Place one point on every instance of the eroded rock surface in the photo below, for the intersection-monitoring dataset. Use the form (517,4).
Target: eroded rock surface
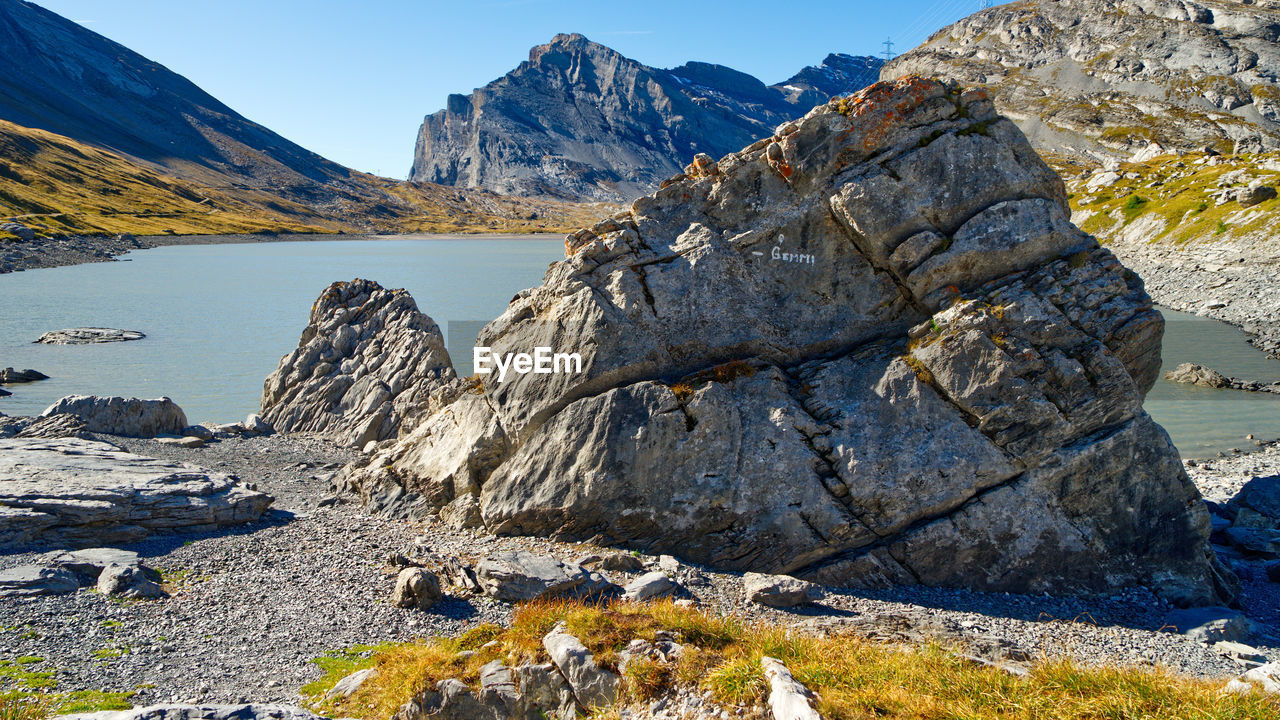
(367,359)
(871,349)
(88,336)
(76,492)
(131,417)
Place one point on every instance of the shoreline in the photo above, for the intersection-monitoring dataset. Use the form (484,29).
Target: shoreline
(45,253)
(237,628)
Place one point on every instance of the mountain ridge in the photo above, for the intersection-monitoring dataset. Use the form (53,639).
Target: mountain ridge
(580,120)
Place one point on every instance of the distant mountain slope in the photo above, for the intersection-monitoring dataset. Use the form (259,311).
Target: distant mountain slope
(1109,77)
(580,120)
(58,76)
(95,138)
(56,185)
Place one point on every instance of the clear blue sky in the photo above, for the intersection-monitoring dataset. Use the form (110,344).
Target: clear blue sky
(352,80)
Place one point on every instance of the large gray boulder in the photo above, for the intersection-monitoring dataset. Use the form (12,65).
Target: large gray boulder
(132,417)
(81,493)
(871,349)
(367,360)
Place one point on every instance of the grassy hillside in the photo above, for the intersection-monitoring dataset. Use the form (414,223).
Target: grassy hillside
(1180,200)
(56,185)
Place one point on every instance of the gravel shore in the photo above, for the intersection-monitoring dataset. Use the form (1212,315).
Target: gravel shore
(1239,285)
(250,608)
(77,250)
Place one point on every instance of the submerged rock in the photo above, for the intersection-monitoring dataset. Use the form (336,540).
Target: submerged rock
(871,349)
(131,417)
(81,493)
(9,376)
(88,336)
(367,360)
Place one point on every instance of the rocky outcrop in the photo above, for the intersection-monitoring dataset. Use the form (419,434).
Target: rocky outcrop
(81,493)
(580,120)
(9,376)
(131,417)
(1113,77)
(367,361)
(88,336)
(1193,374)
(869,349)
(54,426)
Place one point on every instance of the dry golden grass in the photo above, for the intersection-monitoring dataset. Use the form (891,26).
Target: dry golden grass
(57,185)
(853,677)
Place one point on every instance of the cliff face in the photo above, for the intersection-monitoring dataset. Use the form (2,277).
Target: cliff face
(580,120)
(1110,77)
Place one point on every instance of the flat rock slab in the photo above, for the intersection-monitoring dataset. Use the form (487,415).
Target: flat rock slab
(29,580)
(521,576)
(82,492)
(88,336)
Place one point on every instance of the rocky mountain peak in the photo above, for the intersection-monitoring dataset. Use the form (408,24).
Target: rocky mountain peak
(581,120)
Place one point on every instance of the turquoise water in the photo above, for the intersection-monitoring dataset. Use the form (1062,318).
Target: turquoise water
(218,319)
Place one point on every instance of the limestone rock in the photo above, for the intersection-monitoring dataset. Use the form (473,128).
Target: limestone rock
(367,360)
(255,425)
(54,426)
(1255,194)
(780,590)
(85,493)
(519,576)
(621,562)
(1266,677)
(18,230)
(9,376)
(128,581)
(416,588)
(788,698)
(187,441)
(873,350)
(131,417)
(649,586)
(89,563)
(88,336)
(347,686)
(1211,625)
(1193,374)
(257,711)
(593,686)
(29,580)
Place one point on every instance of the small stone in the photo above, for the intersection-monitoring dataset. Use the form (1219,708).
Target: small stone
(416,588)
(780,590)
(128,581)
(622,562)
